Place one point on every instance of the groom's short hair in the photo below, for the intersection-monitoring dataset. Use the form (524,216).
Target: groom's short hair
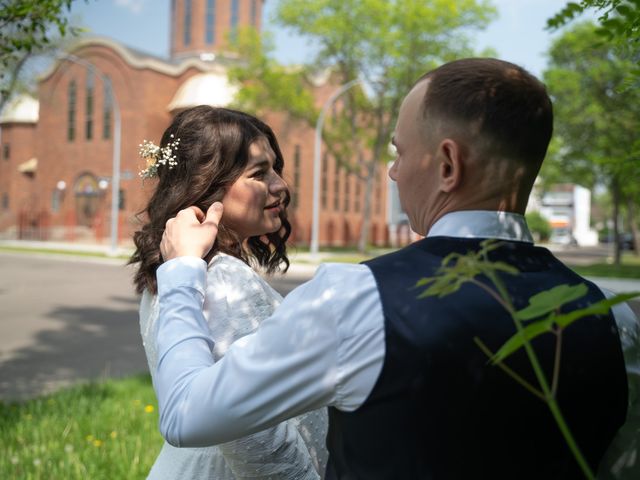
(500,108)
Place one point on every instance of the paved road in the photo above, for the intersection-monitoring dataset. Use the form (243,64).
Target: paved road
(63,320)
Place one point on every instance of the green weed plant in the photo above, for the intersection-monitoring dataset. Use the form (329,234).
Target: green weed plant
(541,316)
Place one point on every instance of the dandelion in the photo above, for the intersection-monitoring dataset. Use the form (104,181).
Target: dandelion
(148,408)
(113,434)
(97,443)
(89,438)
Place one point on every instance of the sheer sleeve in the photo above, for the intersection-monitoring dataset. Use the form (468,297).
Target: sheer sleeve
(236,300)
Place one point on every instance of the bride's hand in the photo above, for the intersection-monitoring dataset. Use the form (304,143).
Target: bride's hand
(191,232)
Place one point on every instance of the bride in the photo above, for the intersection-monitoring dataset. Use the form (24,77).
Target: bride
(214,154)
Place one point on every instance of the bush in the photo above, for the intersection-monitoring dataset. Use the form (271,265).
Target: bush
(539,226)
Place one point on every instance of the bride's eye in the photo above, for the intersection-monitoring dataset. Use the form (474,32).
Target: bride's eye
(259,175)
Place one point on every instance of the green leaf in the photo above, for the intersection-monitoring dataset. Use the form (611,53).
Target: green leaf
(598,308)
(564,320)
(625,11)
(517,341)
(504,267)
(425,281)
(550,300)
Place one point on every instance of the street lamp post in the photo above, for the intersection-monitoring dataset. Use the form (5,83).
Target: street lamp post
(315,222)
(117,130)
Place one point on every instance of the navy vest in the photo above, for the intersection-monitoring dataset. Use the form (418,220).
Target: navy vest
(439,411)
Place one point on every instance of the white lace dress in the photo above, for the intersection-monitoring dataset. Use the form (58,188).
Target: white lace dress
(237,300)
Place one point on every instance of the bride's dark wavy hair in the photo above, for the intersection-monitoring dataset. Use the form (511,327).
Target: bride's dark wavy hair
(213,152)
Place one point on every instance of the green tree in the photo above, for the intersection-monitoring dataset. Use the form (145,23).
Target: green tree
(619,19)
(596,119)
(28,27)
(387,45)
(265,84)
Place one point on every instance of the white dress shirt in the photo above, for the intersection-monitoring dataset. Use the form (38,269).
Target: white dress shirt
(323,346)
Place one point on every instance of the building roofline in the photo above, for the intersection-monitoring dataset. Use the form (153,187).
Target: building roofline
(137,59)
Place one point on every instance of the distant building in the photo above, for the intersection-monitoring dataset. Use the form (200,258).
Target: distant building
(568,209)
(56,151)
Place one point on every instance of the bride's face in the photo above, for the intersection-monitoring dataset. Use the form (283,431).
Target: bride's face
(252,205)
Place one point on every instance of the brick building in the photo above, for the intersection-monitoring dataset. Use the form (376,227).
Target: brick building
(57,152)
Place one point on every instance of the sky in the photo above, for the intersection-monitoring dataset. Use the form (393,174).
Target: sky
(518,35)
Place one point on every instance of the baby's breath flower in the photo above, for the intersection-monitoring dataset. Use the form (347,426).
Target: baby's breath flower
(156,156)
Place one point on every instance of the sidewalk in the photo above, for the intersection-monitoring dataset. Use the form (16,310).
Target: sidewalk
(303,264)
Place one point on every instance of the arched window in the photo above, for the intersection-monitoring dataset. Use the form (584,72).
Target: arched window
(71,111)
(107,108)
(89,105)
(87,195)
(235,13)
(347,192)
(254,12)
(325,180)
(296,176)
(210,22)
(336,185)
(187,22)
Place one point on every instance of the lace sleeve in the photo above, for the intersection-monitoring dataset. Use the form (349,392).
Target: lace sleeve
(236,301)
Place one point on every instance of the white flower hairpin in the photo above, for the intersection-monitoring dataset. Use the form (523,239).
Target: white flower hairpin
(156,156)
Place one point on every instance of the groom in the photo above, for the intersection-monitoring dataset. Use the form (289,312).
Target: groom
(411,396)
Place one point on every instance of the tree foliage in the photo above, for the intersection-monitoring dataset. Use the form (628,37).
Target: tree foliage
(267,85)
(28,27)
(597,120)
(388,45)
(618,19)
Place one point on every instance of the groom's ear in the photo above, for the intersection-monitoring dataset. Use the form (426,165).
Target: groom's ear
(450,157)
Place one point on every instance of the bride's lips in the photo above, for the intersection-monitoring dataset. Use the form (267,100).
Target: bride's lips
(274,205)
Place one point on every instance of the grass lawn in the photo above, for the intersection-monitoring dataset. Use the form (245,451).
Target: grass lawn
(105,430)
(630,268)
(53,251)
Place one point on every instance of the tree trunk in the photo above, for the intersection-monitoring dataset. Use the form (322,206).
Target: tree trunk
(633,225)
(615,191)
(366,207)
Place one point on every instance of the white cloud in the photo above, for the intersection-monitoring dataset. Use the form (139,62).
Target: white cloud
(134,6)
